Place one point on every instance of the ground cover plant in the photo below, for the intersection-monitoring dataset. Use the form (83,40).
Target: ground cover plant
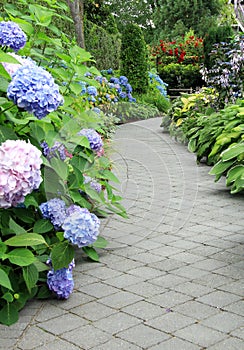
(55,176)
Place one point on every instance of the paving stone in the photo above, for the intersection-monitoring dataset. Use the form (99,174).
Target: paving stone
(146,272)
(229,344)
(117,344)
(116,322)
(143,336)
(200,335)
(189,272)
(175,344)
(58,344)
(48,312)
(218,299)
(145,289)
(99,289)
(168,281)
(237,307)
(187,257)
(224,321)
(169,299)
(193,289)
(120,299)
(236,287)
(195,309)
(104,272)
(35,337)
(167,265)
(62,324)
(144,310)
(86,337)
(93,311)
(239,333)
(170,322)
(209,264)
(213,280)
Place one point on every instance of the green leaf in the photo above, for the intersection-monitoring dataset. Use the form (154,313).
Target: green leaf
(26,239)
(100,242)
(42,226)
(8,297)
(235,173)
(9,314)
(40,266)
(233,152)
(108,175)
(6,134)
(44,292)
(4,280)
(220,167)
(42,15)
(5,57)
(21,257)
(60,167)
(30,274)
(61,255)
(15,228)
(91,253)
(30,200)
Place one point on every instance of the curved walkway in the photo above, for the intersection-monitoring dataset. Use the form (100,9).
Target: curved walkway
(171,278)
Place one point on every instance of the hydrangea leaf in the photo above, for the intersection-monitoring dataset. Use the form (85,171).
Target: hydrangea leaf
(26,239)
(4,280)
(9,314)
(30,274)
(61,255)
(21,257)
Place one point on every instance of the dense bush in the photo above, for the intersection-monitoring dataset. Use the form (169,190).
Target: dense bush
(177,75)
(54,170)
(104,47)
(134,58)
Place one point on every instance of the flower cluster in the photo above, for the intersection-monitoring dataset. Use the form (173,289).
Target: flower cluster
(190,49)
(57,149)
(61,281)
(94,139)
(81,227)
(20,173)
(33,89)
(11,35)
(55,211)
(155,80)
(11,68)
(96,186)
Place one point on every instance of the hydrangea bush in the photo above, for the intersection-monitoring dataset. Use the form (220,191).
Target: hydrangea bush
(48,204)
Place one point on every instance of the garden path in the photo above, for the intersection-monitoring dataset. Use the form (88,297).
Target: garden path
(172,275)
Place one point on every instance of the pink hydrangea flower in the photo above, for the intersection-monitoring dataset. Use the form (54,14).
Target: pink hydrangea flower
(11,68)
(20,174)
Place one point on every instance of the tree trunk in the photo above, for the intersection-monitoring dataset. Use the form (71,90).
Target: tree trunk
(77,13)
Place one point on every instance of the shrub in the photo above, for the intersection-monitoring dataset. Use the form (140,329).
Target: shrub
(134,58)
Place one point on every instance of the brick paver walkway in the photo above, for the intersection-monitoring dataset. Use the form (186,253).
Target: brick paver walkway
(171,278)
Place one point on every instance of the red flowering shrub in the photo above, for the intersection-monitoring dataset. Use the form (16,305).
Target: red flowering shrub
(188,50)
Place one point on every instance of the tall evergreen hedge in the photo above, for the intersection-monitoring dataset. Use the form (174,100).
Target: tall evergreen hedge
(134,58)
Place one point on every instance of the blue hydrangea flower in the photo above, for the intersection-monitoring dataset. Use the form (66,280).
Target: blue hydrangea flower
(58,148)
(83,85)
(128,88)
(61,282)
(97,110)
(123,80)
(12,35)
(91,90)
(33,89)
(81,227)
(122,94)
(96,186)
(110,71)
(131,98)
(55,211)
(114,80)
(93,137)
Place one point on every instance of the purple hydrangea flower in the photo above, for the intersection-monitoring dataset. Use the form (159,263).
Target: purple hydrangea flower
(123,80)
(96,186)
(97,110)
(61,282)
(114,80)
(91,90)
(93,137)
(55,211)
(128,88)
(12,35)
(122,94)
(52,152)
(33,89)
(81,227)
(20,173)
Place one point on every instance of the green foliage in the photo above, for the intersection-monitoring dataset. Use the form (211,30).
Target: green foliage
(154,98)
(175,18)
(231,165)
(127,112)
(177,75)
(216,34)
(134,58)
(26,239)
(104,47)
